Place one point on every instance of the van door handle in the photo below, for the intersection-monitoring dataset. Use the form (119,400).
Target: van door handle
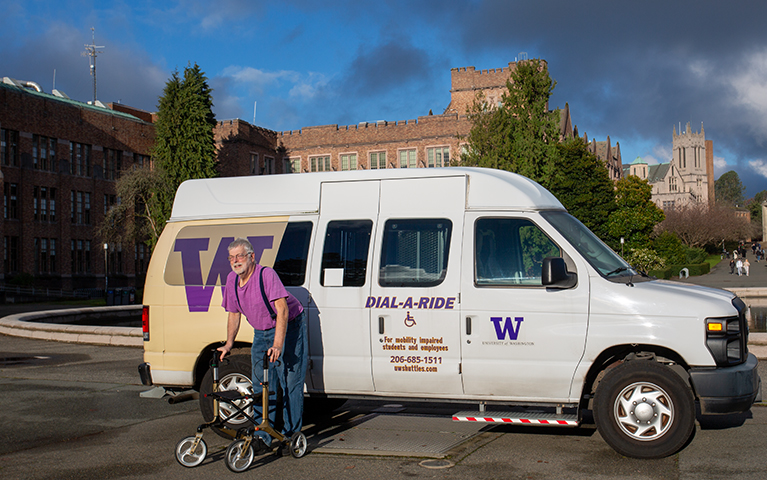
(468,325)
(381,325)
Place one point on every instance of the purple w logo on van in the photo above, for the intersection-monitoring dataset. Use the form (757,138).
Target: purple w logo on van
(507,328)
(198,294)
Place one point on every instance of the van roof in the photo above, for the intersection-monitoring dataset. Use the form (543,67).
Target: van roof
(292,194)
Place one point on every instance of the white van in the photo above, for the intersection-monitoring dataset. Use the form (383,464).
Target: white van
(459,284)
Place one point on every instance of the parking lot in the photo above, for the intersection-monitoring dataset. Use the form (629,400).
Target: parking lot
(74,411)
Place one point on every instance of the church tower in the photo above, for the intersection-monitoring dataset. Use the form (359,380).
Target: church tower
(690,157)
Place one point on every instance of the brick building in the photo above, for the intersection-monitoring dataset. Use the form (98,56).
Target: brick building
(59,160)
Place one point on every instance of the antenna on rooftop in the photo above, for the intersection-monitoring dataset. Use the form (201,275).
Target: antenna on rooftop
(91,52)
(522,56)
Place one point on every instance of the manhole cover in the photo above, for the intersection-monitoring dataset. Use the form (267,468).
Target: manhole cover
(436,464)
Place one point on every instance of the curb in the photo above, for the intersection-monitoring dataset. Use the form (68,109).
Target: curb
(24,325)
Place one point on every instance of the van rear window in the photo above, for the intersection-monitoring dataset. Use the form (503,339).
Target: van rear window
(415,252)
(290,263)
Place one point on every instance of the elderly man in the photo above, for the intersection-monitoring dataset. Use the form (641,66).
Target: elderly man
(279,330)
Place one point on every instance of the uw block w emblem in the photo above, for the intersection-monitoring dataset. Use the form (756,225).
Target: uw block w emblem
(507,327)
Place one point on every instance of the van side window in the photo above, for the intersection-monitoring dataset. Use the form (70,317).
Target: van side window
(345,254)
(290,263)
(510,251)
(415,252)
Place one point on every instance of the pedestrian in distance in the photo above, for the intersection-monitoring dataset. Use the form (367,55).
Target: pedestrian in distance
(732,266)
(739,266)
(746,266)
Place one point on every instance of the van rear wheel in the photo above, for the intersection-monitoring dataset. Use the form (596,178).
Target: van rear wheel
(644,410)
(234,375)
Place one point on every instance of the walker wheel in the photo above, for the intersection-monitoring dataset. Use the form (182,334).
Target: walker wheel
(298,445)
(189,456)
(238,458)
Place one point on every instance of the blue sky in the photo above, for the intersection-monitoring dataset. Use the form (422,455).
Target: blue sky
(630,70)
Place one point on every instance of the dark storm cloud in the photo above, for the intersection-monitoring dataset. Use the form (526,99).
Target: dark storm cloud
(383,68)
(122,75)
(637,69)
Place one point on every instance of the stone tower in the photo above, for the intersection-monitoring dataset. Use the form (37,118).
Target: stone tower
(691,158)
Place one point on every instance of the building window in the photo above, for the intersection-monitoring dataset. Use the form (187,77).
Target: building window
(672,184)
(320,164)
(254,165)
(113,160)
(407,159)
(11,201)
(140,258)
(11,254)
(268,165)
(9,147)
(44,204)
(81,207)
(109,202)
(293,165)
(115,259)
(45,255)
(377,160)
(44,153)
(349,161)
(141,160)
(81,256)
(438,157)
(80,159)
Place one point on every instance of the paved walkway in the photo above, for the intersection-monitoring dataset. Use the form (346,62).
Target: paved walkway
(720,276)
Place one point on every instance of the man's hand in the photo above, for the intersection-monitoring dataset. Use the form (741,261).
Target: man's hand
(274,354)
(224,351)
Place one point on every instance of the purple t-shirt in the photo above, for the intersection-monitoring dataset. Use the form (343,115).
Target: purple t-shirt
(252,302)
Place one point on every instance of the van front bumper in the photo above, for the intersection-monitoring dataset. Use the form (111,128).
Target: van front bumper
(724,390)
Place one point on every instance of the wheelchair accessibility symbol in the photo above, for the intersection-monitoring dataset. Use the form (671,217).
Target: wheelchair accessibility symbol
(409,320)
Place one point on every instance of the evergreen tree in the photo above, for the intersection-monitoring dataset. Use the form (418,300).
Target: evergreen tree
(635,216)
(728,189)
(184,142)
(583,185)
(520,135)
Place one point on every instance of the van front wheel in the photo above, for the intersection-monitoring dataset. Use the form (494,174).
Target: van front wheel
(644,410)
(234,375)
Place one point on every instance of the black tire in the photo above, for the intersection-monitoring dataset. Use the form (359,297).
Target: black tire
(643,409)
(237,457)
(234,375)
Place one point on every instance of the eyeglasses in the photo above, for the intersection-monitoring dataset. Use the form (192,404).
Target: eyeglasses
(238,256)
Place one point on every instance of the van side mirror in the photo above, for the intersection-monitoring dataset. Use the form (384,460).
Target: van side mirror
(554,273)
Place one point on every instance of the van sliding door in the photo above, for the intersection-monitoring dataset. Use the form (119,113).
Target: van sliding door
(339,328)
(413,304)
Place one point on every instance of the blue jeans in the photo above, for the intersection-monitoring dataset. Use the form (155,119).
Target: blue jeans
(288,373)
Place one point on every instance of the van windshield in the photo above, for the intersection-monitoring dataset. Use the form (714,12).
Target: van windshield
(599,255)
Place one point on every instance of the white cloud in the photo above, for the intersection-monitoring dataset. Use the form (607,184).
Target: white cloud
(759,166)
(750,85)
(258,81)
(719,162)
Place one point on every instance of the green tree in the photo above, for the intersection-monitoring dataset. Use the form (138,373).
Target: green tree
(636,214)
(184,144)
(728,189)
(520,135)
(583,185)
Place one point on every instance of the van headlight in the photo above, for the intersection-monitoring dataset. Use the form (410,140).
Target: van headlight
(727,337)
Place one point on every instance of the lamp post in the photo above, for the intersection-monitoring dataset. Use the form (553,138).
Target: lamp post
(106,269)
(621,246)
